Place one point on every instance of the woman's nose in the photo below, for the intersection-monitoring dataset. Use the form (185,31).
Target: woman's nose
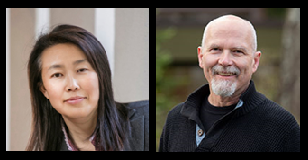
(72,84)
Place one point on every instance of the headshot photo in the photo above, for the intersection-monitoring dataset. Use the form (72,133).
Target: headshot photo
(226,93)
(77,82)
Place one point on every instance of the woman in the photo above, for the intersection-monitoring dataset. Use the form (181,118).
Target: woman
(72,98)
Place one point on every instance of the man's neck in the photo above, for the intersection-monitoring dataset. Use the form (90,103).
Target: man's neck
(220,101)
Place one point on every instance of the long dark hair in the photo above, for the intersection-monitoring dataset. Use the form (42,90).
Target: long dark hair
(46,133)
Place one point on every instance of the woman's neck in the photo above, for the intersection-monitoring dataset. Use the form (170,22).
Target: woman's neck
(80,129)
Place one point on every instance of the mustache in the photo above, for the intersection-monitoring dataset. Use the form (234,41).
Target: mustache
(225,70)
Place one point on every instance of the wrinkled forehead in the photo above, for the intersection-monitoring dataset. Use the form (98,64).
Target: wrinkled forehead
(237,31)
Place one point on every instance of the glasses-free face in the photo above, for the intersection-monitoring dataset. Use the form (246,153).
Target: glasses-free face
(228,58)
(69,81)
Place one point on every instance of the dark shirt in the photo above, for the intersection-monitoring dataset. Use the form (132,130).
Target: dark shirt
(209,114)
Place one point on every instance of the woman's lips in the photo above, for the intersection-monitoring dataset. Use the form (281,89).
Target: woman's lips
(75,100)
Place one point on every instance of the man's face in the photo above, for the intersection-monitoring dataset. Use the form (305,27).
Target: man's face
(228,58)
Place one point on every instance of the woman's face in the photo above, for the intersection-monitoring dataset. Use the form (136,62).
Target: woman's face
(69,81)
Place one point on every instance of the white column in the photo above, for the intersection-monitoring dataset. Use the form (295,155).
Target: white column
(105,31)
(41,21)
(8,78)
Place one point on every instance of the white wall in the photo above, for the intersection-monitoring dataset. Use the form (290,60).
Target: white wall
(132,54)
(123,32)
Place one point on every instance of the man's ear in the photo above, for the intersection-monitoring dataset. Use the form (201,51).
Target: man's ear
(43,90)
(256,60)
(200,56)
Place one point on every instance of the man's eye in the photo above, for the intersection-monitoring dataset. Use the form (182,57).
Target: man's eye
(216,49)
(240,52)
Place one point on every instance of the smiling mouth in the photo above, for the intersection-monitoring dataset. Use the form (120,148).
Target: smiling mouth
(226,71)
(225,74)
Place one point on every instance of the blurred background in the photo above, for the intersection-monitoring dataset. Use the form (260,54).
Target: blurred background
(124,33)
(179,32)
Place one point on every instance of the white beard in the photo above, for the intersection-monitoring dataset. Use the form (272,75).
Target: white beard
(223,88)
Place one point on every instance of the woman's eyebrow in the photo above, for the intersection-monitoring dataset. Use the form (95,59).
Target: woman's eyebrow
(79,61)
(55,66)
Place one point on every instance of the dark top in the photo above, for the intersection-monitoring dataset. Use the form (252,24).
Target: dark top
(209,114)
(259,125)
(138,138)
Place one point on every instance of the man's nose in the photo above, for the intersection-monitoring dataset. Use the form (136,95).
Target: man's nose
(225,58)
(72,84)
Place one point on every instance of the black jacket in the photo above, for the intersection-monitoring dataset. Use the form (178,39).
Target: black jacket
(258,125)
(138,138)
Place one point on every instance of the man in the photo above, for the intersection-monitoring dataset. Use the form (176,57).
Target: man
(228,114)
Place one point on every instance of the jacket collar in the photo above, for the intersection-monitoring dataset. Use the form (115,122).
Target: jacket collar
(137,113)
(250,98)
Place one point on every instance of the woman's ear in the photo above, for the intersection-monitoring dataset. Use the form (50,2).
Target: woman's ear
(43,90)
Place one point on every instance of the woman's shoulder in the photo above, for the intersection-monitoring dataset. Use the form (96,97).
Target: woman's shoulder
(138,104)
(138,108)
(138,114)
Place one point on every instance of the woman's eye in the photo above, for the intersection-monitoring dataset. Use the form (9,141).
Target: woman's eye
(81,70)
(56,75)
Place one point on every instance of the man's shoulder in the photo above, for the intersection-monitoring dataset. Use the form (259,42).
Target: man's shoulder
(278,124)
(177,115)
(273,108)
(273,112)
(175,111)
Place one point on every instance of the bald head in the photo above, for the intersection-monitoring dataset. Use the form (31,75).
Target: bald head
(230,24)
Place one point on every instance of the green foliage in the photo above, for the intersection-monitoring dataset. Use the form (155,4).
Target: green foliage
(163,83)
(163,59)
